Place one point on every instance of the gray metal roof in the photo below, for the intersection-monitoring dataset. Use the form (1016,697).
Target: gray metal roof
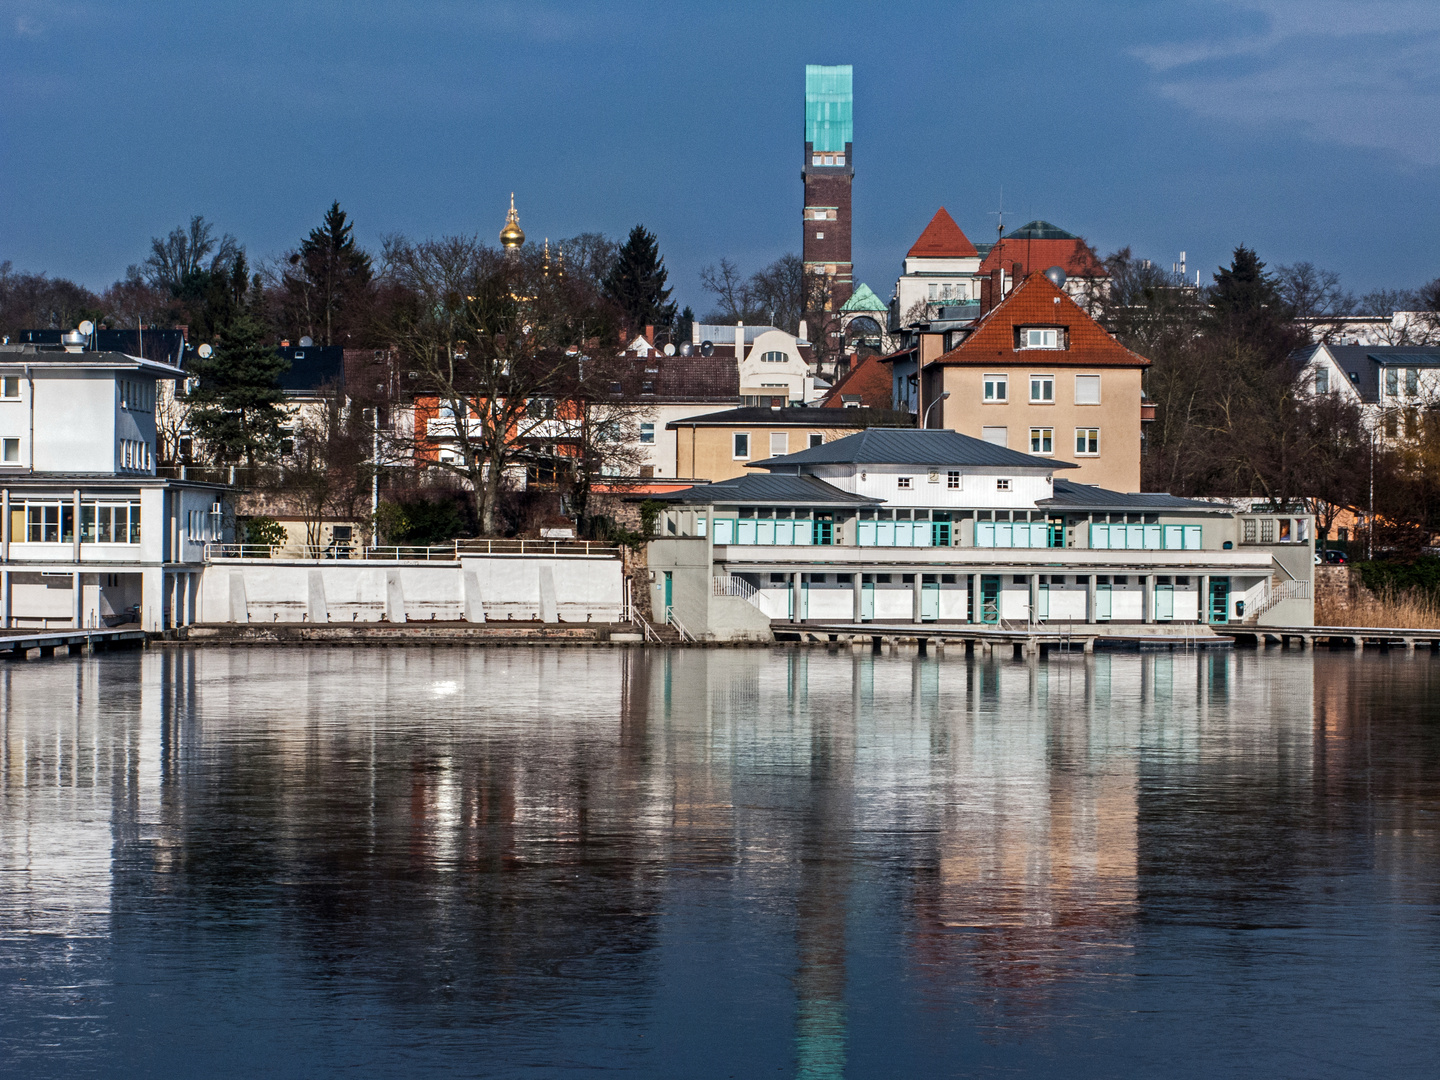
(911,446)
(789,416)
(1363,363)
(1086,497)
(764,489)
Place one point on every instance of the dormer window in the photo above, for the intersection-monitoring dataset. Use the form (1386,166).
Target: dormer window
(1041,337)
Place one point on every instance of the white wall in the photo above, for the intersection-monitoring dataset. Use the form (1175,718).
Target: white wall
(977,490)
(754,372)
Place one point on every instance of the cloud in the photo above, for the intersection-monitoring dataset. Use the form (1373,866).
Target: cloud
(27,26)
(1348,74)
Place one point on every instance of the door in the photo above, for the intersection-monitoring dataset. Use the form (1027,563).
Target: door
(929,599)
(940,533)
(1102,600)
(1042,601)
(1219,599)
(1164,601)
(990,598)
(669,594)
(823,529)
(867,601)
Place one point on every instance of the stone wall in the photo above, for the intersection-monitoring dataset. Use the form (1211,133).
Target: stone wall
(1336,590)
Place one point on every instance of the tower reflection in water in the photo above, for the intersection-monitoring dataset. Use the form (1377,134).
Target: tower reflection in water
(497,840)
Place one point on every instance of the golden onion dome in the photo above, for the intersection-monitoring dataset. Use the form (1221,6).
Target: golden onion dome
(512,236)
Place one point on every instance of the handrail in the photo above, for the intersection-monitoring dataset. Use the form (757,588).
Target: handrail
(441,552)
(671,619)
(1287,590)
(733,586)
(647,632)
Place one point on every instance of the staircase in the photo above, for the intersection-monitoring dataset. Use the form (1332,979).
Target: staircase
(1274,594)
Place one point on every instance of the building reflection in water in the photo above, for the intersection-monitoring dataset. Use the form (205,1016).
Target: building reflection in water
(484,836)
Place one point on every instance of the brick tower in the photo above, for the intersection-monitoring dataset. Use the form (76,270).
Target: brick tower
(828,172)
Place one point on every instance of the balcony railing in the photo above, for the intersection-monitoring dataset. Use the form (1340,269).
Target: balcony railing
(451,552)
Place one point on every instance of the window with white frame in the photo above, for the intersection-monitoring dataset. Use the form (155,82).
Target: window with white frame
(110,522)
(952,480)
(1392,382)
(996,388)
(10,386)
(740,445)
(1002,485)
(774,356)
(1322,380)
(1087,389)
(817,438)
(1042,389)
(1087,442)
(1039,337)
(647,433)
(779,443)
(44,524)
(902,481)
(10,451)
(1042,440)
(1412,381)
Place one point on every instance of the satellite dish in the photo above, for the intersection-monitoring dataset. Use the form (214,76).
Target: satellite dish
(669,350)
(87,327)
(205,352)
(707,348)
(1056,276)
(306,342)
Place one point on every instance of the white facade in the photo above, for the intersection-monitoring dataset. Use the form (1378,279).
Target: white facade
(938,282)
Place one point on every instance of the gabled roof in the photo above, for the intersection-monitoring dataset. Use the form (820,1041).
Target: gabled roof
(789,416)
(1040,230)
(870,381)
(910,446)
(1072,496)
(1037,302)
(942,239)
(1073,256)
(1362,364)
(864,299)
(762,489)
(678,378)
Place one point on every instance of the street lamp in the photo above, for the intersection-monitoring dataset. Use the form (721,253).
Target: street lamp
(925,420)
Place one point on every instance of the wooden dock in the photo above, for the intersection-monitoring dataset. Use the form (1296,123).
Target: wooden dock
(1334,637)
(72,642)
(1038,640)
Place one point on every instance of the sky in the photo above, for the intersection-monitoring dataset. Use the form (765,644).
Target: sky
(1307,129)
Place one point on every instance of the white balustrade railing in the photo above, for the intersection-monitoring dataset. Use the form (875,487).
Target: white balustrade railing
(1274,594)
(437,553)
(733,586)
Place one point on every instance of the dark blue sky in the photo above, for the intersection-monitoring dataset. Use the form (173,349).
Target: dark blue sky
(1309,130)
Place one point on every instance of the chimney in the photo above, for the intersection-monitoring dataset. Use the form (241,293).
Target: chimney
(984,295)
(650,334)
(804,331)
(1017,275)
(739,342)
(997,286)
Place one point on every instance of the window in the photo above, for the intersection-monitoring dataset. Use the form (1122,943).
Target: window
(1392,382)
(1392,425)
(1042,440)
(10,386)
(119,523)
(902,481)
(647,387)
(952,481)
(1267,530)
(1042,389)
(995,436)
(1039,337)
(775,356)
(1412,424)
(1002,485)
(817,159)
(779,444)
(1087,389)
(10,452)
(1249,531)
(741,445)
(997,388)
(42,522)
(1087,441)
(647,433)
(1412,381)
(934,291)
(819,236)
(1322,380)
(817,439)
(839,159)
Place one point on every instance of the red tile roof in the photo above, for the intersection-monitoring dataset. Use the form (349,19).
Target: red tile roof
(942,239)
(870,380)
(1037,302)
(1072,256)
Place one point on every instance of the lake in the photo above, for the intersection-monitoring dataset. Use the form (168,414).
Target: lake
(719,863)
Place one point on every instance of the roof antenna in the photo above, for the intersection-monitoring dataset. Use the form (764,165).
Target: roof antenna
(999,216)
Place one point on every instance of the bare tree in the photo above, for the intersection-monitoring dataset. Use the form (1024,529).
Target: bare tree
(328,472)
(495,339)
(1315,297)
(184,252)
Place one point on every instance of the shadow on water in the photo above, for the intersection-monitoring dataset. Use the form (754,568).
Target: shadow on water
(701,863)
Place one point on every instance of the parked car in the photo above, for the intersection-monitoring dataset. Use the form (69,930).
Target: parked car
(1334,558)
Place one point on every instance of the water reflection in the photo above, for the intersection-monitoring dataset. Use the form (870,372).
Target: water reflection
(699,863)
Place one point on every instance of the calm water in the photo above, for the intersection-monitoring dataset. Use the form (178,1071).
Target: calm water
(713,864)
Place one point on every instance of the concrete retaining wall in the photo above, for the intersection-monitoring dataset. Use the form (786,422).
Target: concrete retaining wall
(481,589)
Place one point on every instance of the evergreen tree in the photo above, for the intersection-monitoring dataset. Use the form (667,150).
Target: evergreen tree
(329,275)
(1247,309)
(636,283)
(237,407)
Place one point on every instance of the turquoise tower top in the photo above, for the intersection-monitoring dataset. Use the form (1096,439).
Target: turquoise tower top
(829,107)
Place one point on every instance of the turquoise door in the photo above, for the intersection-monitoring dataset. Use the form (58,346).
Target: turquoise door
(804,599)
(1102,600)
(1042,601)
(1219,599)
(823,529)
(1164,601)
(669,594)
(990,598)
(929,599)
(867,600)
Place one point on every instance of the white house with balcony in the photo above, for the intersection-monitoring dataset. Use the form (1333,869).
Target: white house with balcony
(907,526)
(89,535)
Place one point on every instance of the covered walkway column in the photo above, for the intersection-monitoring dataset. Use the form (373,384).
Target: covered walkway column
(795,613)
(975,598)
(1090,599)
(1148,600)
(1034,580)
(857,593)
(1202,612)
(916,585)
